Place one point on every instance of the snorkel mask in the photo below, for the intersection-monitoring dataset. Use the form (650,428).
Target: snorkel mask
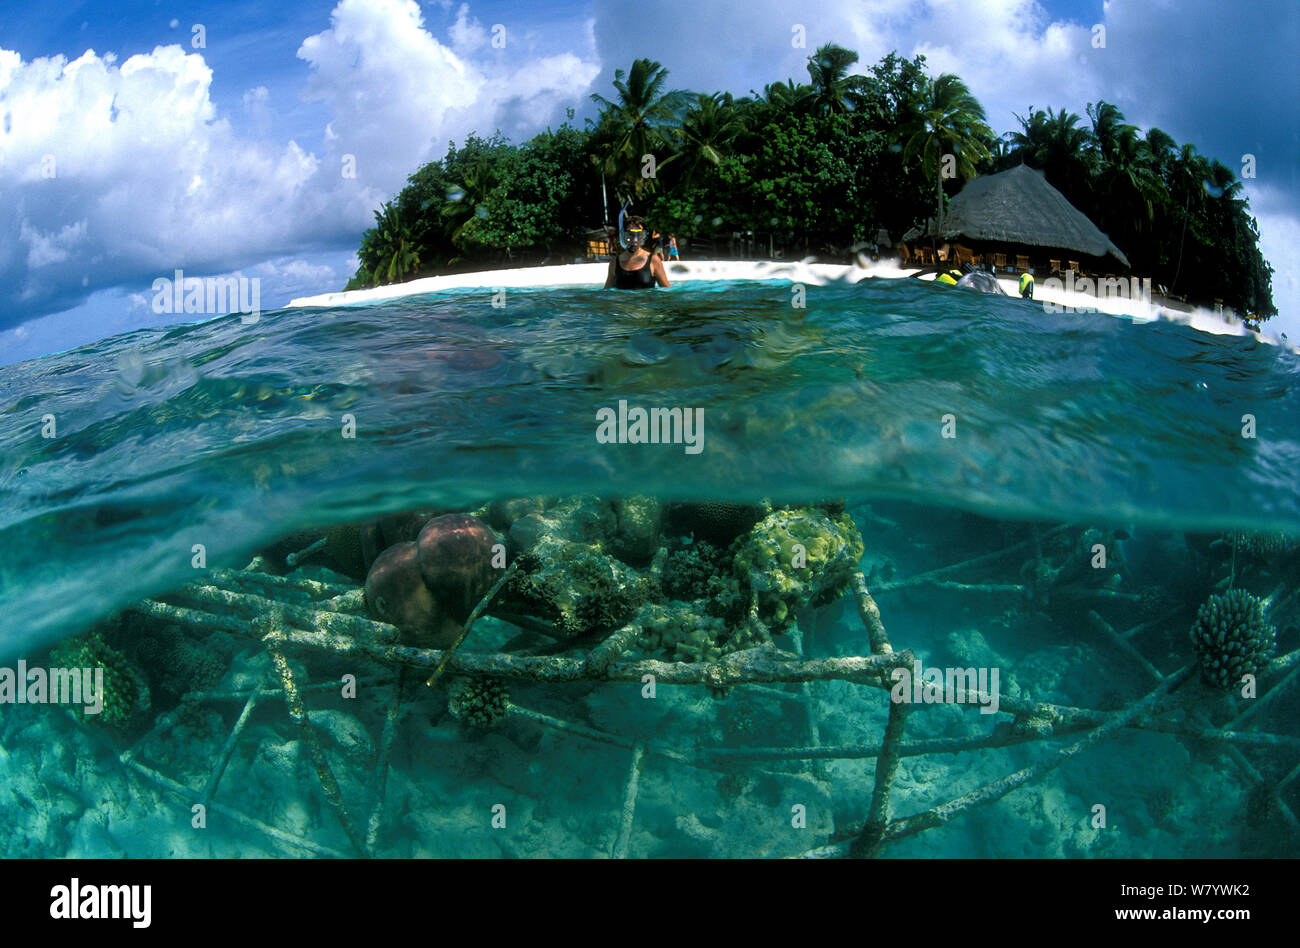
(629,237)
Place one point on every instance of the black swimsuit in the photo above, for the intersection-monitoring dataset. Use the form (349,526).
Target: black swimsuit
(640,279)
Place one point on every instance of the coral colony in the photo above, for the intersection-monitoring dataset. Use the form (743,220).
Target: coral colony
(648,592)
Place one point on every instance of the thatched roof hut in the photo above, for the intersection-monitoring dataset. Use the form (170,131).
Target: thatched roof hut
(1019,207)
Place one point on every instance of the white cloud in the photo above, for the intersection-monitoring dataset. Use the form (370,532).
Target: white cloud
(1009,52)
(148,176)
(151,176)
(296,277)
(1279,242)
(155,178)
(397,94)
(388,83)
(257,106)
(46,249)
(467,33)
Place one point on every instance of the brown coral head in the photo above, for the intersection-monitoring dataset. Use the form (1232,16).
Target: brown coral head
(396,593)
(456,562)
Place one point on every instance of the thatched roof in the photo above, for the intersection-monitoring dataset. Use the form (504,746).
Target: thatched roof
(1018,206)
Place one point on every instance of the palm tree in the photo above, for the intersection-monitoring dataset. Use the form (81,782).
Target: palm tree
(1001,149)
(1123,170)
(787,96)
(468,201)
(1223,182)
(833,90)
(707,130)
(945,119)
(1160,146)
(642,118)
(1054,142)
(1108,128)
(1190,172)
(388,249)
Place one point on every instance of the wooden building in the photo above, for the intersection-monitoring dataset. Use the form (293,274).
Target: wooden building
(1014,220)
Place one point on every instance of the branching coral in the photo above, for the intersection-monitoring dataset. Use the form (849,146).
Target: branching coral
(1232,638)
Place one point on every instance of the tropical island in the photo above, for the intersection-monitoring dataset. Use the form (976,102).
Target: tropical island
(828,167)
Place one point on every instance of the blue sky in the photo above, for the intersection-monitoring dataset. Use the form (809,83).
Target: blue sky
(226,159)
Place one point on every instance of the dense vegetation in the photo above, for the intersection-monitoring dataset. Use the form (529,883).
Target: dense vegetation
(820,166)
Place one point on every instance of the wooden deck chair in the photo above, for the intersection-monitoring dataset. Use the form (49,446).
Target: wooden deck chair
(1074,265)
(1022,262)
(1000,261)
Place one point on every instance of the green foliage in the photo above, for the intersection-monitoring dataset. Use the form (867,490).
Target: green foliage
(943,119)
(833,90)
(1177,216)
(388,250)
(519,201)
(825,164)
(644,120)
(804,179)
(707,132)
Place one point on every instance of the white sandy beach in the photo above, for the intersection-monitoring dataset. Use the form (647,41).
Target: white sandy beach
(806,272)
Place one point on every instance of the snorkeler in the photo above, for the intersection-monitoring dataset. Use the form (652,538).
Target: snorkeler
(635,268)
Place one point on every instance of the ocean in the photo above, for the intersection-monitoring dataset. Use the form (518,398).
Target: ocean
(1094,481)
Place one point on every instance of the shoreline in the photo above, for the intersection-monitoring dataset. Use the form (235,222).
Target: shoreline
(592,275)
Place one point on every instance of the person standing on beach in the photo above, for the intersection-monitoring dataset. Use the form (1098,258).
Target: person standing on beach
(672,247)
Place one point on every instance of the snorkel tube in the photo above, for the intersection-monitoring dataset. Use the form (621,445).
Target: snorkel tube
(630,234)
(621,214)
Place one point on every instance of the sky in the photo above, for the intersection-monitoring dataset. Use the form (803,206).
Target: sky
(139,137)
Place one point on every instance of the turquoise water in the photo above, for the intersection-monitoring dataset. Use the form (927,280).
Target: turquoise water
(229,437)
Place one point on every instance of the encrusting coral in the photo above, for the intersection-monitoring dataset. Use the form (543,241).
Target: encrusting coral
(796,558)
(478,702)
(125,696)
(568,574)
(1262,548)
(176,665)
(717,522)
(688,569)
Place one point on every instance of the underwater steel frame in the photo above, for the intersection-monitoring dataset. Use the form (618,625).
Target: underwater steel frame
(331,618)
